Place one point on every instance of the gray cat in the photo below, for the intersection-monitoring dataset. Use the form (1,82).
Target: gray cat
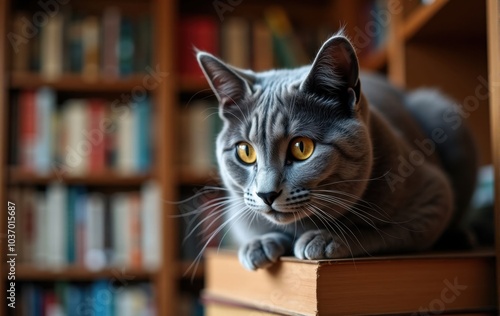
(322,162)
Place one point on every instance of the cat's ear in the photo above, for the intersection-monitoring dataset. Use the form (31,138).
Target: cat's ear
(335,69)
(230,85)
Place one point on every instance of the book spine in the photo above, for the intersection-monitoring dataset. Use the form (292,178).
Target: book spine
(200,32)
(56,221)
(111,34)
(134,232)
(143,137)
(27,134)
(90,40)
(150,220)
(96,137)
(95,258)
(236,42)
(126,44)
(45,103)
(52,48)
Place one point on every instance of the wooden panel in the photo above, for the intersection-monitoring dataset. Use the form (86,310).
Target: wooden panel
(459,70)
(4,112)
(75,83)
(494,79)
(106,178)
(35,273)
(165,97)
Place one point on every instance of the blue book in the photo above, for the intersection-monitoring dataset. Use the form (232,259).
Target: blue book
(126,47)
(75,45)
(142,136)
(76,200)
(74,298)
(45,105)
(102,298)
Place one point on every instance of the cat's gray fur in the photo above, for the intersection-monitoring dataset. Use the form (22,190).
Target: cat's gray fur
(350,197)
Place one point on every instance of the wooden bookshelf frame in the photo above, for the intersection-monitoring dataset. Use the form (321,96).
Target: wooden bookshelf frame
(164,15)
(493,9)
(4,24)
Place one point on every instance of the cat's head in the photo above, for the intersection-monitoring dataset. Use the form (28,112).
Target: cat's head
(292,137)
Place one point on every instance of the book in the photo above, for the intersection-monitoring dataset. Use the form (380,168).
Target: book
(45,107)
(51,50)
(263,55)
(20,45)
(134,253)
(125,144)
(199,32)
(110,37)
(120,225)
(94,254)
(27,225)
(126,47)
(197,136)
(95,135)
(57,221)
(214,308)
(27,133)
(151,210)
(142,137)
(235,36)
(41,225)
(372,285)
(74,45)
(90,47)
(76,149)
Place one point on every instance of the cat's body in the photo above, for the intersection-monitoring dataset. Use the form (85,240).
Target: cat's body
(323,163)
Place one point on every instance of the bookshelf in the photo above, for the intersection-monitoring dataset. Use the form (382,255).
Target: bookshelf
(408,33)
(70,85)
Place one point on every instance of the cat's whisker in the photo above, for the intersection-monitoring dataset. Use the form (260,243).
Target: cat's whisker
(197,260)
(358,207)
(202,207)
(334,222)
(352,236)
(357,198)
(362,217)
(350,209)
(218,213)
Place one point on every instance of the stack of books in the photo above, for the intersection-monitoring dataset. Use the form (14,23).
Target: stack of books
(423,284)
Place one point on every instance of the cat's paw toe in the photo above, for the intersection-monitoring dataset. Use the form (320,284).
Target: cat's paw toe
(260,253)
(317,244)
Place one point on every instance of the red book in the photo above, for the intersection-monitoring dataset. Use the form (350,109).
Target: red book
(27,118)
(49,303)
(200,32)
(96,135)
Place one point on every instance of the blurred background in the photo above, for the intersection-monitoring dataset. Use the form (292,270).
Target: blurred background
(107,120)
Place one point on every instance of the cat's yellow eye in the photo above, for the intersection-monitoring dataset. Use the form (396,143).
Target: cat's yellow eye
(301,148)
(246,153)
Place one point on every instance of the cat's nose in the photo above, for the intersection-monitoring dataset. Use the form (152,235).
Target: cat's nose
(269,197)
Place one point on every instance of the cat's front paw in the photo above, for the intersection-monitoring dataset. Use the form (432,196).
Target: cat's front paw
(262,252)
(319,244)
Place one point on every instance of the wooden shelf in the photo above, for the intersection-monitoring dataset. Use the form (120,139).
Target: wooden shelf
(20,176)
(76,83)
(27,272)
